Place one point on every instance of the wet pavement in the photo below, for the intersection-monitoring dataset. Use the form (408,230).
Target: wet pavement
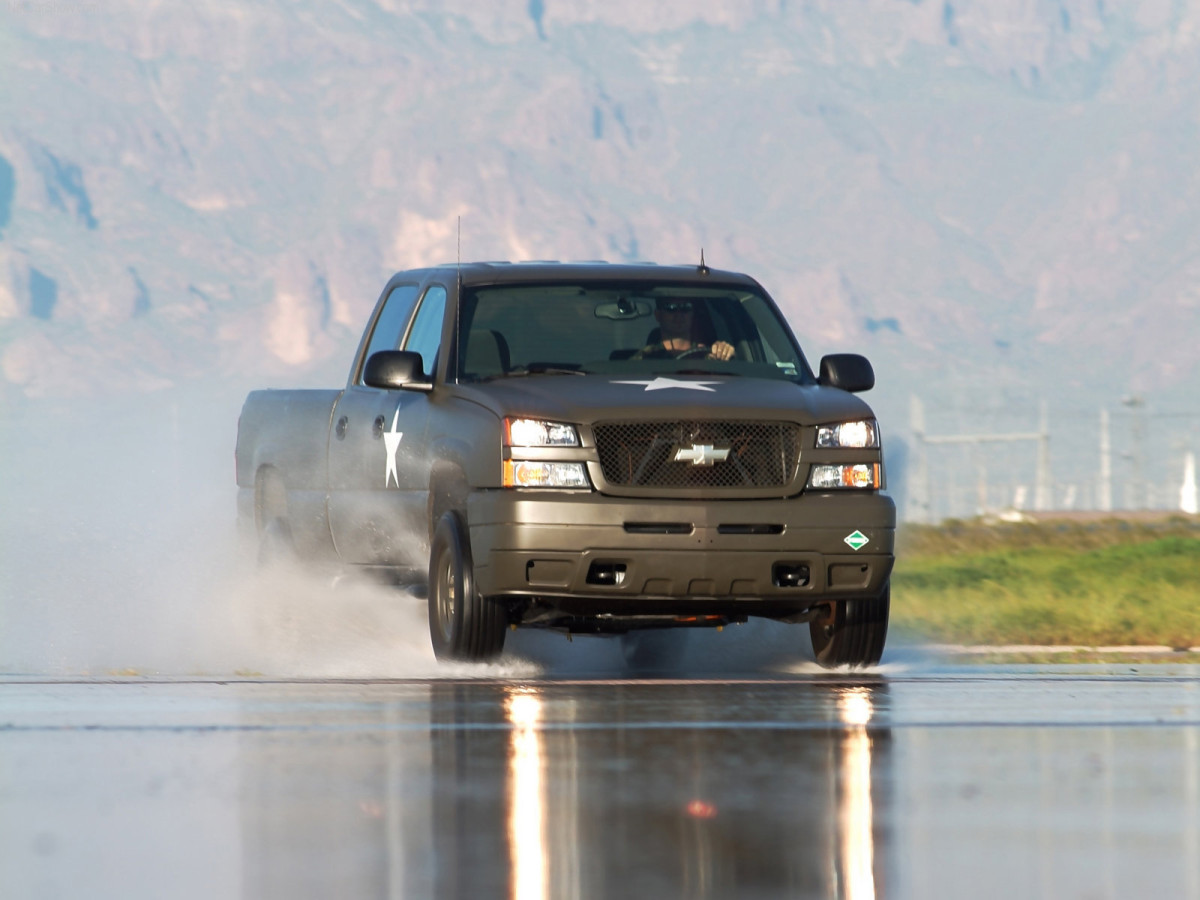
(931,781)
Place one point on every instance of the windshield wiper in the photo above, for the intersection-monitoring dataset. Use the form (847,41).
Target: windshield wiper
(545,369)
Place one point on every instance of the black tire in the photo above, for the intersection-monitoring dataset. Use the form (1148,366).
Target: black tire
(854,634)
(275,547)
(654,650)
(462,625)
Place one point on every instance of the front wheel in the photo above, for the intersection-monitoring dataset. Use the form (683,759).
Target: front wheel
(853,632)
(462,625)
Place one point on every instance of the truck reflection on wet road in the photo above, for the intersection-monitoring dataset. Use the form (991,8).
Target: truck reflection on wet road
(981,782)
(637,790)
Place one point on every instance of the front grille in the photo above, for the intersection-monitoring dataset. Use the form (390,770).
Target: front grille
(643,454)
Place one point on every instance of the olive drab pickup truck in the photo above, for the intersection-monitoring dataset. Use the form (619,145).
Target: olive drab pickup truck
(593,448)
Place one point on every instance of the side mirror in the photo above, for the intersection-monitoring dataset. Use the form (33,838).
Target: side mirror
(847,371)
(393,369)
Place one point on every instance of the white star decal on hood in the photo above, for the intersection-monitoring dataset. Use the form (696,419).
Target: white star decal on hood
(661,384)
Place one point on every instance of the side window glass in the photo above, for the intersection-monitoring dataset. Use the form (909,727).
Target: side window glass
(389,328)
(426,333)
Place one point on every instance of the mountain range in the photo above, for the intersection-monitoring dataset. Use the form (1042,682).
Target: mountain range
(997,201)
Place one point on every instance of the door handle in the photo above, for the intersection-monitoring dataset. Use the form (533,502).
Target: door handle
(340,428)
(377,428)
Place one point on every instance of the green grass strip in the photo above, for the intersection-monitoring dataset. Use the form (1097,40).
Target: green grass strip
(1098,584)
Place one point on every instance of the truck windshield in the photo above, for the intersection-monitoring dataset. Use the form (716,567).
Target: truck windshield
(509,331)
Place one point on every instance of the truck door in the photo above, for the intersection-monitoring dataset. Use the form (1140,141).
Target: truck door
(378,472)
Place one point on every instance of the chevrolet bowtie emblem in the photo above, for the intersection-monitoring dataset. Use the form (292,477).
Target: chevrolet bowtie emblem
(701,454)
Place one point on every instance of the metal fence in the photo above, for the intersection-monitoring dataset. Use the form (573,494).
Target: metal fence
(1005,461)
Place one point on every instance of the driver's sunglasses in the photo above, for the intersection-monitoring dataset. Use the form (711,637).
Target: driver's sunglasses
(676,306)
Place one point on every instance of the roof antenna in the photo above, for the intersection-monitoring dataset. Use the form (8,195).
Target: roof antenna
(458,300)
(704,270)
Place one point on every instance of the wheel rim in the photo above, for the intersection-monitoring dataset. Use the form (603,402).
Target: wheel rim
(446,598)
(821,630)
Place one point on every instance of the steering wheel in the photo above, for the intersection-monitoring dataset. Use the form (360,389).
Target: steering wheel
(693,353)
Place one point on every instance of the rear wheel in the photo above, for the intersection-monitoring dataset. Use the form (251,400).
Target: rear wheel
(853,632)
(462,625)
(275,544)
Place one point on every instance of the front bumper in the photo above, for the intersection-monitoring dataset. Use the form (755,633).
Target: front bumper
(588,554)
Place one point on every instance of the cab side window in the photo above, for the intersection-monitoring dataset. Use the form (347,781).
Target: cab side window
(389,327)
(426,333)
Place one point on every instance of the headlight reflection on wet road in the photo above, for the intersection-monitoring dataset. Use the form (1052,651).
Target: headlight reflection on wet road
(855,815)
(530,862)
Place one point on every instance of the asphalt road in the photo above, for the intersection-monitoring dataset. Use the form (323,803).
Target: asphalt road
(920,780)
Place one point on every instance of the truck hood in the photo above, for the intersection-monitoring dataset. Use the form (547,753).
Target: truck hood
(586,399)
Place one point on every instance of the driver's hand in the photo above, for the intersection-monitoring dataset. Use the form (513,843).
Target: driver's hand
(721,350)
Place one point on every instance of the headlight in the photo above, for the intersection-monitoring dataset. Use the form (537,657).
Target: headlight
(536,433)
(536,473)
(864,433)
(860,475)
(530,434)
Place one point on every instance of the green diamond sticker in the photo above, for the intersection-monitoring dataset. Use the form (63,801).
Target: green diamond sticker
(857,540)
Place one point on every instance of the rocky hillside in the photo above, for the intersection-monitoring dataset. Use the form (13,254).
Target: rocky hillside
(997,193)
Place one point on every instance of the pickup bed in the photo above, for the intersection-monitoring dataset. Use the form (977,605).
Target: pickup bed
(594,448)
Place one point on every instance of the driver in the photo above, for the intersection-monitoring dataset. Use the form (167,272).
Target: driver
(677,330)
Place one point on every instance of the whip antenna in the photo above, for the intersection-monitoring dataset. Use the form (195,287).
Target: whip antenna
(458,300)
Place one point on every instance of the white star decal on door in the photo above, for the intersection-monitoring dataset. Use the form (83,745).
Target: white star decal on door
(661,384)
(391,442)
